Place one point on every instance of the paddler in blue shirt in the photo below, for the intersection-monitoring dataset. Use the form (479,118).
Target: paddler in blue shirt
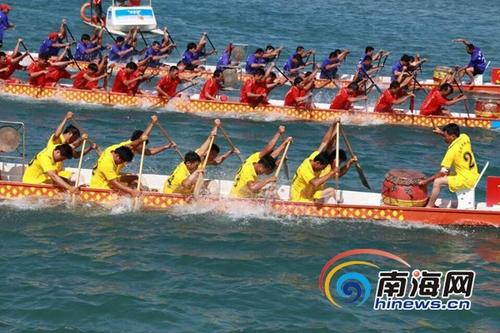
(330,65)
(4,21)
(192,56)
(477,64)
(255,61)
(54,42)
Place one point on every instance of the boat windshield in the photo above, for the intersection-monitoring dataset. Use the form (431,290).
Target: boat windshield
(130,3)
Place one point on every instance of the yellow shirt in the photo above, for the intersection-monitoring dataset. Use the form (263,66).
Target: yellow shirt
(105,171)
(43,162)
(174,182)
(301,189)
(53,143)
(461,157)
(109,149)
(245,175)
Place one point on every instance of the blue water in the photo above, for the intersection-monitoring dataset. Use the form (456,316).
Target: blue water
(193,269)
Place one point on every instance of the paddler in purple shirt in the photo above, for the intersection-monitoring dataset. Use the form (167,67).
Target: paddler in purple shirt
(477,64)
(155,53)
(191,58)
(400,68)
(86,50)
(225,60)
(4,21)
(295,62)
(120,51)
(54,42)
(364,69)
(369,52)
(271,53)
(255,61)
(330,65)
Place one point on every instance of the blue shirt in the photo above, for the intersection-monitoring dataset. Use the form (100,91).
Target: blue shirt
(188,57)
(252,59)
(113,54)
(328,73)
(4,22)
(47,49)
(289,65)
(397,67)
(224,60)
(477,60)
(362,73)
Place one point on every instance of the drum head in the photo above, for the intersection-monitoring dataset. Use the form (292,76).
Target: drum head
(230,77)
(9,139)
(404,176)
(237,55)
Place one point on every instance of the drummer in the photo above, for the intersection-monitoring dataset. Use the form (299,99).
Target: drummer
(246,182)
(460,157)
(436,101)
(308,184)
(477,64)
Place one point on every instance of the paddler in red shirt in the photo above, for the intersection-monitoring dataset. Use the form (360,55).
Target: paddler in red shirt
(167,87)
(296,95)
(38,71)
(346,96)
(124,79)
(391,97)
(57,71)
(212,86)
(88,79)
(436,101)
(248,92)
(9,64)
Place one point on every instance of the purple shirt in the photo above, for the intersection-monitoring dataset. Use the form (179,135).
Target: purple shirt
(289,65)
(150,52)
(188,57)
(362,71)
(477,60)
(252,59)
(397,67)
(4,22)
(224,61)
(113,54)
(80,53)
(47,49)
(328,73)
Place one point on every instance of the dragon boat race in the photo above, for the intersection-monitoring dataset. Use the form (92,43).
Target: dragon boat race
(249,166)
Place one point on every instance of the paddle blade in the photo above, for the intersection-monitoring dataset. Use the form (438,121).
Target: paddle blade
(362,176)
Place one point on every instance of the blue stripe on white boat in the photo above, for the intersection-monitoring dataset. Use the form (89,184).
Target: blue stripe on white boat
(133,12)
(495,124)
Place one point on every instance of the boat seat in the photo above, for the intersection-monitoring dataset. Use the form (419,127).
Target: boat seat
(467,198)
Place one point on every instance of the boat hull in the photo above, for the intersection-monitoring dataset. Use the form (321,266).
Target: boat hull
(240,109)
(160,201)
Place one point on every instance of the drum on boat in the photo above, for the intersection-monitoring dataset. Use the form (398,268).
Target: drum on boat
(401,188)
(440,72)
(488,108)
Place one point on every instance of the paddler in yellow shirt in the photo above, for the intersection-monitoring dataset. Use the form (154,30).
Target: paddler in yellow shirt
(458,156)
(43,168)
(70,135)
(308,184)
(107,175)
(246,182)
(183,178)
(214,158)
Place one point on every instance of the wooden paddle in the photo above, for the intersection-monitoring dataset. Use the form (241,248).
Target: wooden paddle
(139,176)
(287,170)
(230,142)
(169,138)
(337,157)
(211,44)
(277,172)
(361,173)
(459,86)
(80,162)
(284,75)
(26,49)
(80,128)
(200,179)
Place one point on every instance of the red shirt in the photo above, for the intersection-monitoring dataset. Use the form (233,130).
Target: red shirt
(385,102)
(11,68)
(80,82)
(169,85)
(210,87)
(133,88)
(292,95)
(248,87)
(341,101)
(119,86)
(39,81)
(55,74)
(433,103)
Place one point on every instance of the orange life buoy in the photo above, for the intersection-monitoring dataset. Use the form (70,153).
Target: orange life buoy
(83,15)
